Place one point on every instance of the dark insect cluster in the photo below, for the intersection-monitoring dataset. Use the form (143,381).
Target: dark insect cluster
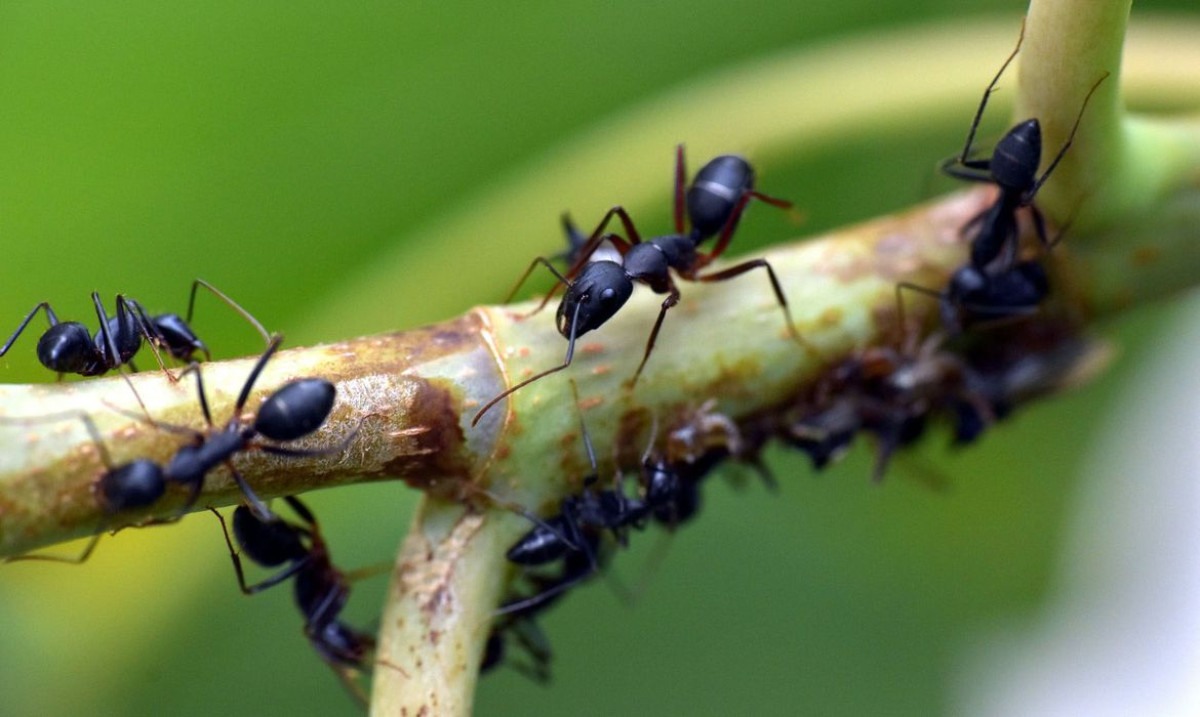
(566,549)
(996,348)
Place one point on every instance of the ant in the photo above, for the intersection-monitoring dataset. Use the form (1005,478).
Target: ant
(68,346)
(320,589)
(596,290)
(994,284)
(573,536)
(293,411)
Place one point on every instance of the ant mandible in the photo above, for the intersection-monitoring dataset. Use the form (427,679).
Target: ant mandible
(596,290)
(320,590)
(68,346)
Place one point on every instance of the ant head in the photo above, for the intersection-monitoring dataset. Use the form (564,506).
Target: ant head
(66,347)
(134,485)
(716,190)
(1017,155)
(296,410)
(600,291)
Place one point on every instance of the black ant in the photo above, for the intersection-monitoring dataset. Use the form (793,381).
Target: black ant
(293,411)
(573,536)
(320,589)
(994,284)
(596,290)
(1013,169)
(68,346)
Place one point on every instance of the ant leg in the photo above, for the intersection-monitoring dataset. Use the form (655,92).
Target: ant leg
(231,304)
(598,237)
(787,312)
(49,316)
(734,217)
(566,362)
(562,281)
(110,342)
(272,347)
(680,188)
(923,290)
(671,300)
(259,508)
(1028,196)
(145,328)
(962,158)
(77,560)
(570,579)
(241,575)
(970,170)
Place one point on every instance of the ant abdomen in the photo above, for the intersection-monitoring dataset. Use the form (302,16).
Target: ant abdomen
(296,410)
(716,191)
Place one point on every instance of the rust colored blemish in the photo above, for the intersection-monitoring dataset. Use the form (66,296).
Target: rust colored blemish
(632,425)
(586,404)
(1145,256)
(434,458)
(602,369)
(592,348)
(435,636)
(523,352)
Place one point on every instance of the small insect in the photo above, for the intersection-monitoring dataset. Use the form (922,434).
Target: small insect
(596,290)
(321,590)
(995,284)
(890,392)
(1013,169)
(69,347)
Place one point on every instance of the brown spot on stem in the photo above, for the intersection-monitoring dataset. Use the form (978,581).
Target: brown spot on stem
(435,459)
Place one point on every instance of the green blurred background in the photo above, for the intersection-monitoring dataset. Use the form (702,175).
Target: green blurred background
(283,151)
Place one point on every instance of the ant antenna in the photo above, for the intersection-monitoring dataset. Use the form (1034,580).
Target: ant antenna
(1070,138)
(566,362)
(986,93)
